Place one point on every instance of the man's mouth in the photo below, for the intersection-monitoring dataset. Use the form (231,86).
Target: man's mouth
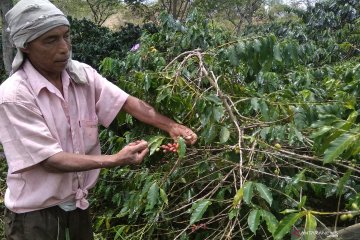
(63,60)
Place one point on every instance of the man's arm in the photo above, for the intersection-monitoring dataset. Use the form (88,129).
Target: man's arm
(133,153)
(147,114)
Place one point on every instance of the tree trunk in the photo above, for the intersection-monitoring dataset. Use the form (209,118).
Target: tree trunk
(174,9)
(8,50)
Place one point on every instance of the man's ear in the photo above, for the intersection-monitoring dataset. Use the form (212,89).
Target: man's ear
(24,50)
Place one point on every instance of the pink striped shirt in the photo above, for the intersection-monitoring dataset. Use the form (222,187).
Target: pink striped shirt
(37,121)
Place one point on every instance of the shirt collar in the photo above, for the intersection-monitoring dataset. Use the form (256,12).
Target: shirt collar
(38,81)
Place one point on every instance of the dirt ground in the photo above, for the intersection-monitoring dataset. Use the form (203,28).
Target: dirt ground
(120,19)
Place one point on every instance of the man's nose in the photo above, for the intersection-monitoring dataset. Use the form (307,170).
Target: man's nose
(64,45)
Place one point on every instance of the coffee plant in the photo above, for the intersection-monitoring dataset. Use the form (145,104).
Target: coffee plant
(92,43)
(276,111)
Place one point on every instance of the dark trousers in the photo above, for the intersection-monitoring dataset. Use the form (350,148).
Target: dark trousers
(48,224)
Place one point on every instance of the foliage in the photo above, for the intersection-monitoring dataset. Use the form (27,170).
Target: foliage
(178,9)
(102,9)
(91,43)
(276,113)
(237,12)
(78,8)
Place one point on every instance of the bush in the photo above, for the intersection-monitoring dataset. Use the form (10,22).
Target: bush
(91,43)
(277,120)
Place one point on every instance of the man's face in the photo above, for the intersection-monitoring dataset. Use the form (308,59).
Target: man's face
(50,52)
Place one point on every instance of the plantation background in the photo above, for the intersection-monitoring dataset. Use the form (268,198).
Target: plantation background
(275,106)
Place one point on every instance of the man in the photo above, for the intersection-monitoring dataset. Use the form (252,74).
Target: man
(50,108)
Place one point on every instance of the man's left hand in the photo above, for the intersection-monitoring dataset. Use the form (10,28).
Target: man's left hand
(181,131)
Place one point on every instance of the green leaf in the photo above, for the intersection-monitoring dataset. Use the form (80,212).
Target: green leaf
(155,143)
(254,220)
(277,53)
(270,219)
(99,223)
(233,213)
(338,146)
(264,192)
(352,118)
(302,202)
(286,224)
(310,227)
(224,134)
(264,109)
(257,46)
(248,191)
(326,120)
(286,211)
(198,210)
(356,146)
(147,82)
(152,196)
(266,48)
(164,93)
(255,103)
(293,50)
(342,182)
(238,197)
(323,130)
(209,133)
(234,60)
(298,177)
(213,98)
(218,113)
(240,50)
(184,236)
(205,117)
(182,147)
(119,231)
(163,196)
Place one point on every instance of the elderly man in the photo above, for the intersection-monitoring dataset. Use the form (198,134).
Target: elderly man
(50,108)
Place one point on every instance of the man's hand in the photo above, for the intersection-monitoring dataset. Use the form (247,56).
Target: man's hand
(147,114)
(181,131)
(133,153)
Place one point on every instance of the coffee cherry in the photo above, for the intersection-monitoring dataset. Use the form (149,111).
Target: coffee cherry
(277,146)
(170,147)
(354,206)
(343,217)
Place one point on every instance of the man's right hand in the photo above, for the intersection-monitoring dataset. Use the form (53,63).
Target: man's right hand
(133,153)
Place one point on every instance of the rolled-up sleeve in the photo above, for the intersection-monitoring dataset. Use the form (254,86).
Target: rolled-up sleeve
(25,136)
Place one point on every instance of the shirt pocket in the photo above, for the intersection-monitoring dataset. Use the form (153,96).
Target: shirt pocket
(90,133)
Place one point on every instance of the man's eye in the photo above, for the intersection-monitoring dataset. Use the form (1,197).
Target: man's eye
(50,40)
